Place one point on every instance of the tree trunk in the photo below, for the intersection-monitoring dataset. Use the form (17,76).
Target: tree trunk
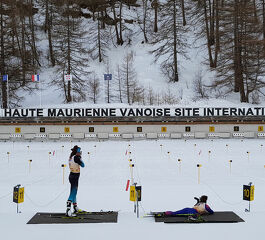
(99,42)
(183,13)
(69,97)
(48,26)
(263,24)
(2,60)
(144,20)
(33,38)
(121,40)
(155,4)
(176,77)
(212,18)
(115,22)
(23,49)
(217,34)
(208,35)
(127,80)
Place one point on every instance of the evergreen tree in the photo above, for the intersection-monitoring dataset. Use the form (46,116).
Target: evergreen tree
(70,52)
(170,41)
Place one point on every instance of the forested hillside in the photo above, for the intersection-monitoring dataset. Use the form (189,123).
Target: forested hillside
(68,36)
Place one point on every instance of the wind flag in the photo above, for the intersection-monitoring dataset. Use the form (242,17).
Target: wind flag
(35,78)
(5,78)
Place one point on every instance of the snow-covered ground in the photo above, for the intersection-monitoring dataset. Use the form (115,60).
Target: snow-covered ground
(165,186)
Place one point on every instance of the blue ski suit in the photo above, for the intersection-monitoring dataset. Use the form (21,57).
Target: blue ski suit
(199,208)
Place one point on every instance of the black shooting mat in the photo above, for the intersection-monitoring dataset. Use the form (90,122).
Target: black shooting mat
(217,217)
(90,217)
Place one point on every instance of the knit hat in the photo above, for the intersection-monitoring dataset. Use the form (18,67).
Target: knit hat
(203,199)
(74,149)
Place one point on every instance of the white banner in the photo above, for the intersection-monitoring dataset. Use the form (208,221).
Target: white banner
(132,112)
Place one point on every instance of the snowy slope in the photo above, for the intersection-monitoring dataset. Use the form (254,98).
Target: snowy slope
(148,72)
(165,187)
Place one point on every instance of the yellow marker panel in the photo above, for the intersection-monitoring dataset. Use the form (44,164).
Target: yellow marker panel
(260,128)
(132,194)
(66,129)
(115,129)
(211,129)
(18,195)
(248,192)
(163,129)
(17,130)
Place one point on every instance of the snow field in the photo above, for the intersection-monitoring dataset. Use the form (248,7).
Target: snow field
(164,187)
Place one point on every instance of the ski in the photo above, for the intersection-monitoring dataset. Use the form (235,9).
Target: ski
(93,213)
(162,214)
(74,217)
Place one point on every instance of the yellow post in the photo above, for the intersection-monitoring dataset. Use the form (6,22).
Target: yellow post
(179,160)
(50,158)
(30,161)
(248,155)
(8,153)
(63,166)
(199,173)
(131,170)
(209,155)
(230,166)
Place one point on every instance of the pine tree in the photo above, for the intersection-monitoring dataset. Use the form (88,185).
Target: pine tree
(70,53)
(170,41)
(241,65)
(19,57)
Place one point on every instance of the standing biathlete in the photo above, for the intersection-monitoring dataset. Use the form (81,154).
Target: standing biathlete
(75,161)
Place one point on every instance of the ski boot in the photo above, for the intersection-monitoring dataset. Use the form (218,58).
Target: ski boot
(76,209)
(68,210)
(193,218)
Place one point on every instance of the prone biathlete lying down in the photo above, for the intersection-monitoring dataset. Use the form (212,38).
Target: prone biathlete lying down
(200,208)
